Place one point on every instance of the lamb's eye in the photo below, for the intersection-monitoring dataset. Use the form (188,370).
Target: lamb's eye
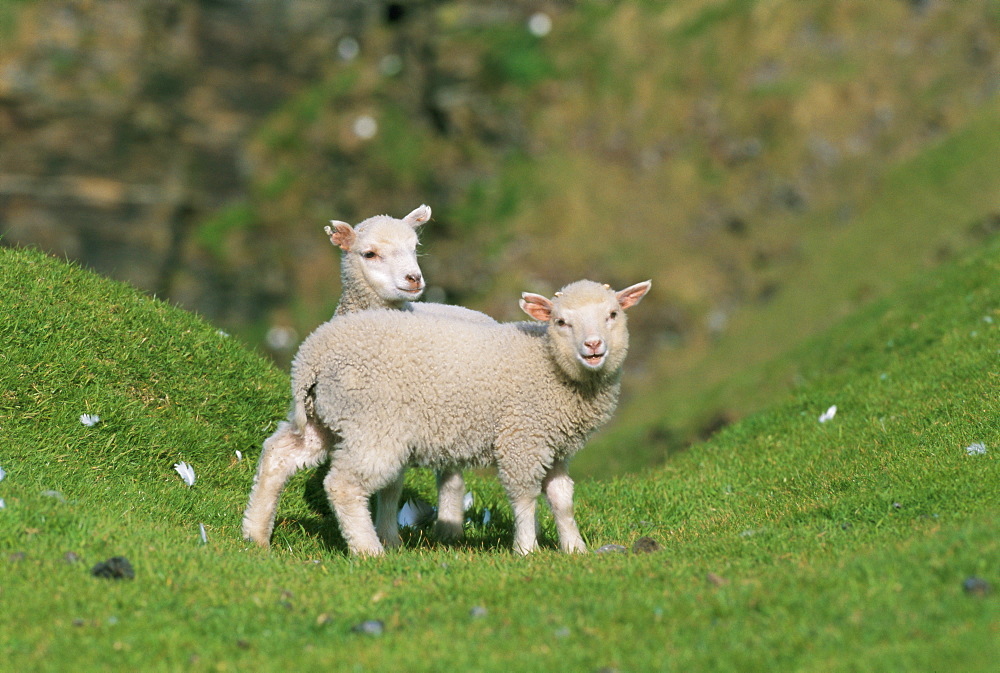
(560,322)
(614,314)
(369,254)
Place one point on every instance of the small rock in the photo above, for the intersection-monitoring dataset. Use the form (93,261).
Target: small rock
(611,549)
(977,586)
(70,557)
(897,505)
(115,568)
(645,545)
(370,627)
(243,644)
(478,612)
(716,580)
(562,632)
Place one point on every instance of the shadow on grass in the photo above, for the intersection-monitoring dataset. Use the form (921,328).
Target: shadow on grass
(495,536)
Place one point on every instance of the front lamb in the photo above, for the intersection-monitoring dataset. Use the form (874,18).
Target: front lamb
(396,389)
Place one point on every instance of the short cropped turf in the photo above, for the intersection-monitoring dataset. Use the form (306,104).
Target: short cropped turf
(869,542)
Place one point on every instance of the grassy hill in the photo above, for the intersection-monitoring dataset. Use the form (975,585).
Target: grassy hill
(939,203)
(787,544)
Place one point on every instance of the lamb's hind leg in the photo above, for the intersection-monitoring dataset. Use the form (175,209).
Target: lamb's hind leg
(354,476)
(451,510)
(387,514)
(558,488)
(285,453)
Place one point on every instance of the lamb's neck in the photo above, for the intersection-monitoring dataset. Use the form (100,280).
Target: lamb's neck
(356,295)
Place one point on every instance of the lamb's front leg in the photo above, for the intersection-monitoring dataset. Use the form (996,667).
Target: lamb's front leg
(522,491)
(558,488)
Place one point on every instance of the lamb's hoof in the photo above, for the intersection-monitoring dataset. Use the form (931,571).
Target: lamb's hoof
(366,552)
(448,531)
(257,539)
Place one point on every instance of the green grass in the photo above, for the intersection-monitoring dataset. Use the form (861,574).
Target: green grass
(787,544)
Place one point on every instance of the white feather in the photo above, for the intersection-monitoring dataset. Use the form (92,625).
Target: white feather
(186,472)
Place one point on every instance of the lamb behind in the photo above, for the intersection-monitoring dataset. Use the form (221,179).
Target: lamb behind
(378,270)
(394,389)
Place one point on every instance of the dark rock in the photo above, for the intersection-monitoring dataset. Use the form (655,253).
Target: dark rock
(645,545)
(115,568)
(370,627)
(977,586)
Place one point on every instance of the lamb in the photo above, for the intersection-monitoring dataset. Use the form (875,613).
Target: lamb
(378,269)
(393,389)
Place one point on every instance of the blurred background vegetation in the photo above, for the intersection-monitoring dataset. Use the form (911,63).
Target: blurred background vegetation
(770,164)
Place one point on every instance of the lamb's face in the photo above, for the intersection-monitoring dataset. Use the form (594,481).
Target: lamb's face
(386,254)
(382,253)
(588,330)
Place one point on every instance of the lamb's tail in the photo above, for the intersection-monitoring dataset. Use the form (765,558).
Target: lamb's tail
(303,383)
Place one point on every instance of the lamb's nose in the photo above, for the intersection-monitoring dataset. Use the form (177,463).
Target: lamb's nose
(414,278)
(593,344)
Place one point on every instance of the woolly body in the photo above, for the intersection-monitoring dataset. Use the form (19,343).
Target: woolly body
(457,368)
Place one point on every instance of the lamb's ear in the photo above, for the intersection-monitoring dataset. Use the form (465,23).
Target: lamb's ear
(537,306)
(631,296)
(418,216)
(341,234)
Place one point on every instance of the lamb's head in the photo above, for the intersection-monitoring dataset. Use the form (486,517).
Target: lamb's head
(381,253)
(587,329)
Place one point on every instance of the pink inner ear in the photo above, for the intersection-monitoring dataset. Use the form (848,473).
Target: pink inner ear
(537,306)
(630,296)
(341,234)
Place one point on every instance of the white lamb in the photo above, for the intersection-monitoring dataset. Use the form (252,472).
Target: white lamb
(379,269)
(394,389)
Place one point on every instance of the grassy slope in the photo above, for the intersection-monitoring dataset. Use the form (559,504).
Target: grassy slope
(930,202)
(839,547)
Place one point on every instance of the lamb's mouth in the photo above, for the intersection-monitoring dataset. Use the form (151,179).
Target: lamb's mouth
(593,360)
(411,290)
